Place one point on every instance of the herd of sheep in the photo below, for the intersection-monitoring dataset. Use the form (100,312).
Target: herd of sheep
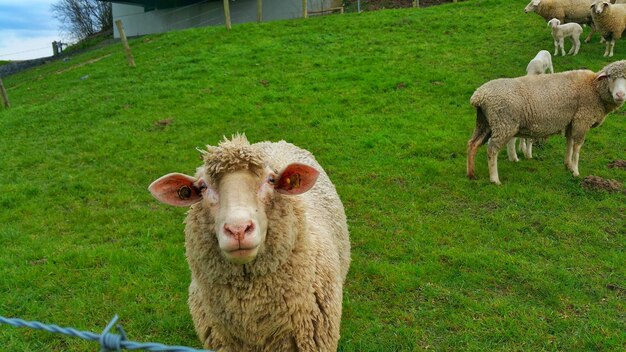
(565,17)
(266,236)
(537,106)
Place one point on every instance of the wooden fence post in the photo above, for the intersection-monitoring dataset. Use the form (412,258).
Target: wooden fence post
(129,55)
(416,3)
(304,14)
(227,14)
(5,97)
(259,11)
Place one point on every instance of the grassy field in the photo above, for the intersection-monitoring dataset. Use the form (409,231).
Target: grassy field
(382,99)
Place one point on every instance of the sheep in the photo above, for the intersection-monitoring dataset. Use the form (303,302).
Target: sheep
(542,105)
(267,243)
(610,20)
(562,31)
(538,65)
(566,11)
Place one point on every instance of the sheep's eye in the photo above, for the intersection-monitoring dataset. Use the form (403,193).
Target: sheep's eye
(271,179)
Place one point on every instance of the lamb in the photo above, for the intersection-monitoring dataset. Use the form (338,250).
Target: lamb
(542,105)
(610,20)
(538,65)
(566,11)
(562,31)
(267,243)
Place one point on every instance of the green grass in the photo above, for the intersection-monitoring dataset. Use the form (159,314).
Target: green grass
(3,62)
(382,99)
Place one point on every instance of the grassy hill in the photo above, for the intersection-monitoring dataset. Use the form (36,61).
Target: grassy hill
(382,99)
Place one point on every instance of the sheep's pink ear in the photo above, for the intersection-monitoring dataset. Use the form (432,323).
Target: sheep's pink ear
(177,189)
(601,75)
(296,179)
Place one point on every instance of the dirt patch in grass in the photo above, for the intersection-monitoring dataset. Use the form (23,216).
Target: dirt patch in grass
(598,183)
(164,122)
(84,63)
(619,164)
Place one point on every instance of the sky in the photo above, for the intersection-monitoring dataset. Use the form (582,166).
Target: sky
(27,29)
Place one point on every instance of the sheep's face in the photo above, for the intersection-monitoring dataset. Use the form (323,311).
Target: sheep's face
(237,200)
(617,86)
(613,79)
(553,23)
(238,205)
(599,6)
(532,6)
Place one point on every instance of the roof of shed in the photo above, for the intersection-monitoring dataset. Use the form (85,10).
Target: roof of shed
(156,4)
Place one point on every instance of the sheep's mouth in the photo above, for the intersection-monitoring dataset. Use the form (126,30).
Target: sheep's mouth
(242,252)
(242,255)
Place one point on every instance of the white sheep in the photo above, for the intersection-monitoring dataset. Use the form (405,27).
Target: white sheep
(267,244)
(538,65)
(610,20)
(538,106)
(566,11)
(562,31)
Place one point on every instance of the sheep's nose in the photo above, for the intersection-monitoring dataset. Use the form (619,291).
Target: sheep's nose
(239,230)
(620,95)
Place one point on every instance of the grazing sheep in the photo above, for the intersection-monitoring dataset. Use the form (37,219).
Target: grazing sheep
(542,105)
(610,20)
(562,31)
(267,244)
(538,65)
(566,11)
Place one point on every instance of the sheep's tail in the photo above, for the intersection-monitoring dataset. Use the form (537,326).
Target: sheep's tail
(482,132)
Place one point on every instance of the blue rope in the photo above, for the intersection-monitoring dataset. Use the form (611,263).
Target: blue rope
(108,342)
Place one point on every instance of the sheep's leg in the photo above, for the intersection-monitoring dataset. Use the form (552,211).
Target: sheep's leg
(472,148)
(562,45)
(528,152)
(607,47)
(568,152)
(571,50)
(496,143)
(510,150)
(576,140)
(612,46)
(575,46)
(481,133)
(593,30)
(556,47)
(522,145)
(492,161)
(575,155)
